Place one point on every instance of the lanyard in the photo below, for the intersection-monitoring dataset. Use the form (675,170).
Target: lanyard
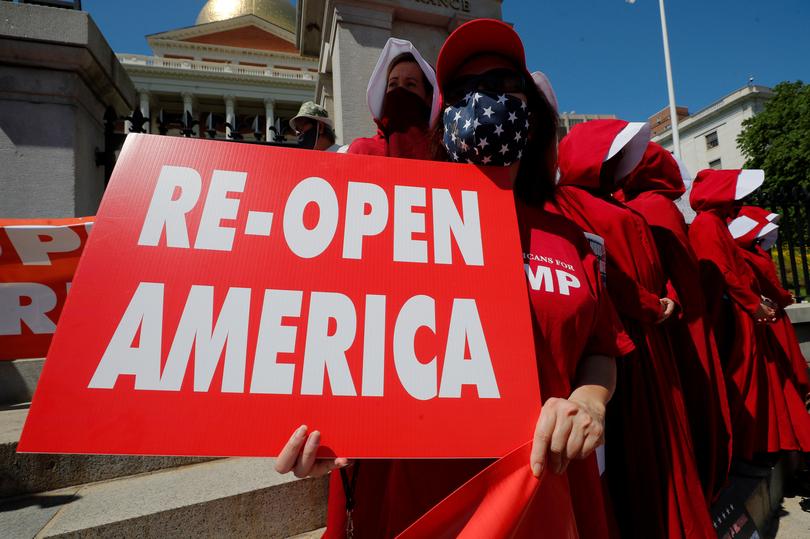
(349,487)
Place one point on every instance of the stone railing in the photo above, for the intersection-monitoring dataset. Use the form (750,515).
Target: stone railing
(213,67)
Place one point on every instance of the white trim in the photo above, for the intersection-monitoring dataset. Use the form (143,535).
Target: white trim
(741,226)
(378,82)
(769,240)
(767,229)
(747,182)
(774,217)
(635,136)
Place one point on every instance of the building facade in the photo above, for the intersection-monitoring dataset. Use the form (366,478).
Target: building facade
(661,121)
(236,73)
(709,137)
(569,119)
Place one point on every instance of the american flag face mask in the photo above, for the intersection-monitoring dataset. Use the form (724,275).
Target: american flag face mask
(486,128)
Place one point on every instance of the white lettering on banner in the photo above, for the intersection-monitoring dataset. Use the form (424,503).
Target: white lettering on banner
(418,379)
(324,351)
(467,230)
(166,212)
(197,329)
(178,189)
(14,312)
(302,241)
(32,247)
(218,206)
(374,346)
(144,313)
(360,224)
(269,376)
(406,222)
(465,328)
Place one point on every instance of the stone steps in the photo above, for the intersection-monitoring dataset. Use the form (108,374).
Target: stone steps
(28,473)
(237,497)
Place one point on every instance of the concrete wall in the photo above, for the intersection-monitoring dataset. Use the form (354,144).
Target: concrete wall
(800,316)
(57,77)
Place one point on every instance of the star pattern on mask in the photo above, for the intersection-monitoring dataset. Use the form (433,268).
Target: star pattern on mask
(486,128)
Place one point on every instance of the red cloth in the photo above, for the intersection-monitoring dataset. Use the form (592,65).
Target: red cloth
(393,494)
(725,274)
(504,500)
(651,190)
(651,470)
(411,144)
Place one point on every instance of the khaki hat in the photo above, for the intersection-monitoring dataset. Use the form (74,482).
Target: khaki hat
(312,111)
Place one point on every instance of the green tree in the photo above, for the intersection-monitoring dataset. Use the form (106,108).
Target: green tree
(777,139)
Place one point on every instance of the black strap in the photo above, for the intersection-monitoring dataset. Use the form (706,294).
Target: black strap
(349,486)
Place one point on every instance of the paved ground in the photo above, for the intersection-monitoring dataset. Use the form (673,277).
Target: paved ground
(794,519)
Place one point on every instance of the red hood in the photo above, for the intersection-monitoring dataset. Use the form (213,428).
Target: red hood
(583,151)
(719,189)
(658,172)
(752,224)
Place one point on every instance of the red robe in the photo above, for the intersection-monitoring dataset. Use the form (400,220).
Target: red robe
(654,484)
(651,190)
(785,381)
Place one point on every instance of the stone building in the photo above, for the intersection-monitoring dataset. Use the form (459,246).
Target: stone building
(709,137)
(236,70)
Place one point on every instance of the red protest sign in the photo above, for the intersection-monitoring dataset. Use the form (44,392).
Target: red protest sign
(37,261)
(230,293)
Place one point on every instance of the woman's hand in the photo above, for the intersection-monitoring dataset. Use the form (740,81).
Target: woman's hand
(567,429)
(765,314)
(667,308)
(298,456)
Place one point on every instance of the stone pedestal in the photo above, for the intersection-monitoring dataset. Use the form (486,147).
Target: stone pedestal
(58,77)
(349,35)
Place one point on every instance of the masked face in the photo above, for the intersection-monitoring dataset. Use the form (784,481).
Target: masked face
(486,128)
(403,109)
(308,138)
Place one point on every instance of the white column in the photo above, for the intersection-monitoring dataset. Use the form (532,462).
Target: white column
(269,113)
(145,110)
(230,113)
(188,100)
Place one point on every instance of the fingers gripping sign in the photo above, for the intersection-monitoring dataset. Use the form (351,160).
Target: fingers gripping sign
(299,456)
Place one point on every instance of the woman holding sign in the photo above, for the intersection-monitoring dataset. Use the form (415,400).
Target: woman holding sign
(486,87)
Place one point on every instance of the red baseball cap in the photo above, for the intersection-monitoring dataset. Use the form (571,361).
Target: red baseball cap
(479,36)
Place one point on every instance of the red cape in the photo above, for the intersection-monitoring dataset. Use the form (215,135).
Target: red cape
(651,470)
(651,190)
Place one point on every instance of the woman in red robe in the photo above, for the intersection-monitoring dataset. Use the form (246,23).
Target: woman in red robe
(737,312)
(651,190)
(757,255)
(651,468)
(788,420)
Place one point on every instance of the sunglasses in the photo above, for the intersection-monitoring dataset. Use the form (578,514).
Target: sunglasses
(499,81)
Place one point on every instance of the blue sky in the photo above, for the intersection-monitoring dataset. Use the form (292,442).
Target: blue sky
(603,56)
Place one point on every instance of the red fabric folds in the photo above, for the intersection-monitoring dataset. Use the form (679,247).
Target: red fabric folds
(651,190)
(504,500)
(651,470)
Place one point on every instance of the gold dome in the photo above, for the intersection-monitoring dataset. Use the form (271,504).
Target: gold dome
(278,12)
